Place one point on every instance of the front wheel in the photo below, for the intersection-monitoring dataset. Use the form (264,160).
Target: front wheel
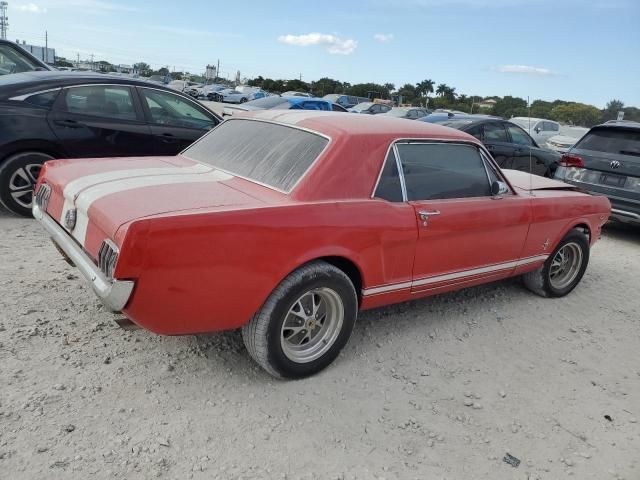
(243,100)
(18,176)
(564,268)
(305,322)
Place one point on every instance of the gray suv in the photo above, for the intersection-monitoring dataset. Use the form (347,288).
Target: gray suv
(606,161)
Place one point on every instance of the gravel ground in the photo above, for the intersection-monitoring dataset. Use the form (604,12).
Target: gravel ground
(438,388)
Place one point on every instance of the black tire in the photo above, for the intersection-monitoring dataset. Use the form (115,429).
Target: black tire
(243,100)
(18,176)
(540,281)
(264,336)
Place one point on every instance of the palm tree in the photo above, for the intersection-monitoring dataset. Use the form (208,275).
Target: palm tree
(390,86)
(442,89)
(450,93)
(425,87)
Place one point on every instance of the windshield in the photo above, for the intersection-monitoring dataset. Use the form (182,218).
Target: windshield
(609,140)
(397,112)
(524,122)
(363,106)
(573,132)
(11,61)
(267,153)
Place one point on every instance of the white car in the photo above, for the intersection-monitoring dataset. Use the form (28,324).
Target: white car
(567,138)
(292,93)
(540,129)
(233,96)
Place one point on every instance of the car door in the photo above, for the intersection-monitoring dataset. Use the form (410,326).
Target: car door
(465,234)
(175,121)
(496,139)
(527,156)
(100,121)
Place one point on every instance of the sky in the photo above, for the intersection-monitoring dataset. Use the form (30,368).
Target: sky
(578,50)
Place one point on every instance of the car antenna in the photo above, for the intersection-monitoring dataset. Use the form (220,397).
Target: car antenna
(530,166)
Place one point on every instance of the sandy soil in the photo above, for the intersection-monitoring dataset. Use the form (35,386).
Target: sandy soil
(438,388)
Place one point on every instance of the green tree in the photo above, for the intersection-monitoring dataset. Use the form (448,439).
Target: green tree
(509,106)
(62,62)
(326,86)
(610,112)
(442,89)
(142,68)
(371,90)
(425,87)
(576,114)
(409,94)
(297,85)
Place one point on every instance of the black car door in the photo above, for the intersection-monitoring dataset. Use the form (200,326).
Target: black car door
(527,156)
(100,121)
(495,138)
(175,121)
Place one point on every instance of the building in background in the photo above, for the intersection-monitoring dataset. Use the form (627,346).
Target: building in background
(47,55)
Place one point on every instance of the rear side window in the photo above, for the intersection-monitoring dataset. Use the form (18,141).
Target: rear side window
(44,99)
(495,132)
(442,171)
(389,187)
(107,101)
(609,140)
(274,155)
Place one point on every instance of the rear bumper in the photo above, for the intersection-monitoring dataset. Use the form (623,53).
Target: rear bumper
(623,208)
(114,294)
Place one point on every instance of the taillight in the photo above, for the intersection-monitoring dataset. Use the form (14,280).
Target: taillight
(568,160)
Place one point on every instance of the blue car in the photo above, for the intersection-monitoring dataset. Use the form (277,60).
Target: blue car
(284,103)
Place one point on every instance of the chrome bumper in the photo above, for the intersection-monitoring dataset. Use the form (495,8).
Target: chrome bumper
(114,294)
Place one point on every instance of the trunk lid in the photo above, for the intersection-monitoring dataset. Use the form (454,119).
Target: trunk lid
(107,193)
(526,181)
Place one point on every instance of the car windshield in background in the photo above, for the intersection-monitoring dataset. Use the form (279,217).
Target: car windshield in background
(363,106)
(274,155)
(625,142)
(266,102)
(573,132)
(397,112)
(12,62)
(458,124)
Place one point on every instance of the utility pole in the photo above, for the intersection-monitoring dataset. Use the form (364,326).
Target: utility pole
(218,70)
(78,62)
(46,47)
(4,20)
(93,67)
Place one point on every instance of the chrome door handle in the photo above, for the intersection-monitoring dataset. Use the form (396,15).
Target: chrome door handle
(424,215)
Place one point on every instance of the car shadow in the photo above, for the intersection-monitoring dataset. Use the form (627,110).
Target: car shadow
(622,231)
(421,317)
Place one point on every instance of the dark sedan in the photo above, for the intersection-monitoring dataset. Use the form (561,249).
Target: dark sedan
(45,115)
(509,144)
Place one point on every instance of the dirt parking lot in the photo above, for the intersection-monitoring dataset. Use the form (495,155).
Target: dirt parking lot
(440,388)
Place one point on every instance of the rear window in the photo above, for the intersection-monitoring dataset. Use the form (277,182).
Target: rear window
(274,155)
(625,142)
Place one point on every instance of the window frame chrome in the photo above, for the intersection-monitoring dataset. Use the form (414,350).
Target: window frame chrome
(24,96)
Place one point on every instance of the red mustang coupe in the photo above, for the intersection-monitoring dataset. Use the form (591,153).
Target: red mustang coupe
(285,224)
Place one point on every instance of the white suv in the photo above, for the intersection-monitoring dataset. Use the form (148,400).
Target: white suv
(539,129)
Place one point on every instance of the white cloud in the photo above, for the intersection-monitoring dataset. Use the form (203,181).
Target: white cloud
(526,69)
(383,37)
(31,8)
(334,44)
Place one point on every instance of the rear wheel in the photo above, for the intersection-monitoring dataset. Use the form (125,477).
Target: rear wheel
(18,176)
(564,268)
(243,100)
(305,322)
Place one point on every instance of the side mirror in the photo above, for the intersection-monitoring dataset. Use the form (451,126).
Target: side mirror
(499,188)
(537,129)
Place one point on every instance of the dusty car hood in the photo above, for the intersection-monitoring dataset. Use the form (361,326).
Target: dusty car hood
(563,140)
(107,193)
(526,181)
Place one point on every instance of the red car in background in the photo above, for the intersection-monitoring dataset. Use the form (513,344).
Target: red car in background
(285,224)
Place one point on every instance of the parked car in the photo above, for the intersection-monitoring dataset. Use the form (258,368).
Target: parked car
(606,161)
(292,93)
(15,59)
(283,103)
(210,91)
(268,224)
(231,95)
(567,138)
(370,108)
(509,144)
(539,129)
(346,101)
(45,115)
(411,113)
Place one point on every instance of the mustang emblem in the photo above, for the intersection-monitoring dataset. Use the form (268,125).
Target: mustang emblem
(545,245)
(615,164)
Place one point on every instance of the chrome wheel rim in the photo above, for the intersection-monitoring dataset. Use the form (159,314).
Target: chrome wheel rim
(312,325)
(565,265)
(22,182)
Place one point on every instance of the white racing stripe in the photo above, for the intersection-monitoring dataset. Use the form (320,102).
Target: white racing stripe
(454,276)
(74,187)
(91,193)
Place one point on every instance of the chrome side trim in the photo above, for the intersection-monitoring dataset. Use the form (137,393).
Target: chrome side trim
(114,294)
(22,98)
(403,184)
(454,275)
(625,213)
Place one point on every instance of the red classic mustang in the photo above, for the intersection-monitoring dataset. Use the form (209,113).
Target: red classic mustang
(285,224)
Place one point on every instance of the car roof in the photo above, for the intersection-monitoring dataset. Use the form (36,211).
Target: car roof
(21,83)
(336,124)
(627,124)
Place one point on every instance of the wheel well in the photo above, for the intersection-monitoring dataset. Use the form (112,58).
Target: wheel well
(38,149)
(584,228)
(350,269)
